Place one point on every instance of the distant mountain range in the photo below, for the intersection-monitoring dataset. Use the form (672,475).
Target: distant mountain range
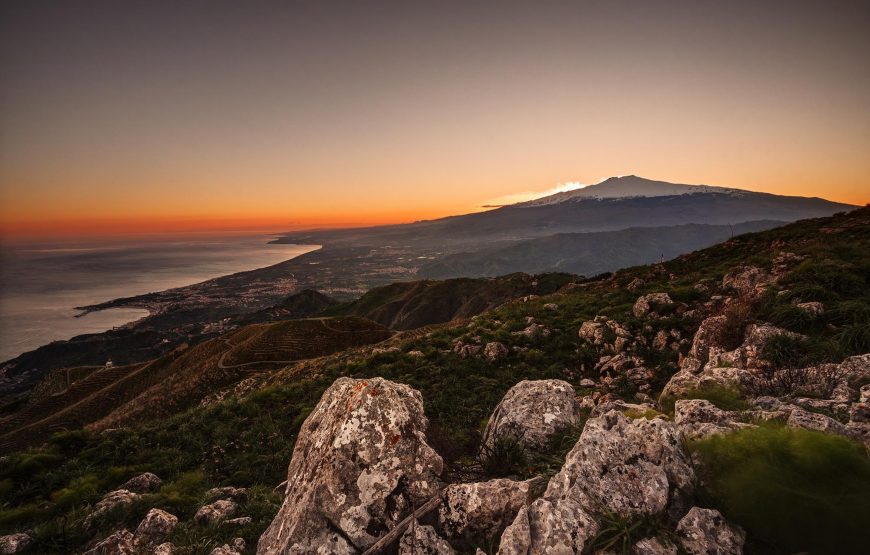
(614,204)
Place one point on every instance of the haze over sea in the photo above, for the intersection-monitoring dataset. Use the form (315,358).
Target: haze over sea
(41,283)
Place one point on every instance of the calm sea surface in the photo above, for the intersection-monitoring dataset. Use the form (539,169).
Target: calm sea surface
(40,283)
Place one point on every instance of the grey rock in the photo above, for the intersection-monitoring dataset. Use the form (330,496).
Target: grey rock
(747,280)
(227,492)
(217,511)
(652,546)
(633,467)
(241,521)
(494,351)
(110,502)
(644,304)
(237,548)
(423,540)
(814,307)
(533,411)
(143,483)
(807,420)
(359,466)
(706,532)
(120,542)
(14,543)
(165,548)
(156,525)
(699,418)
(481,510)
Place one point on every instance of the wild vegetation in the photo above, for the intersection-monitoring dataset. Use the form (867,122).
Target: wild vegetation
(245,438)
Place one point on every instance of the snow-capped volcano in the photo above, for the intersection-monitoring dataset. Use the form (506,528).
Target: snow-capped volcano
(629,186)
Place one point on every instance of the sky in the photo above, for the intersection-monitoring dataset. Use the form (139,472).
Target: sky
(132,116)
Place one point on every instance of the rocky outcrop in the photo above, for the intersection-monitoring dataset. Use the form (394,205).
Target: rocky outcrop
(532,411)
(360,464)
(631,467)
(646,303)
(609,335)
(423,540)
(706,532)
(481,510)
(143,483)
(14,543)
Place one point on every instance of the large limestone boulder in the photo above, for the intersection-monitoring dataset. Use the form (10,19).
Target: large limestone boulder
(481,510)
(533,411)
(706,532)
(359,466)
(632,467)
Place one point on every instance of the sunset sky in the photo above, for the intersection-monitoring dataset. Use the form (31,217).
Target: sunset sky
(120,116)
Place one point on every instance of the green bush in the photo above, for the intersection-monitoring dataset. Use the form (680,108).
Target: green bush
(791,489)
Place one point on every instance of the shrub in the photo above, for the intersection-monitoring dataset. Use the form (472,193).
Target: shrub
(791,489)
(506,456)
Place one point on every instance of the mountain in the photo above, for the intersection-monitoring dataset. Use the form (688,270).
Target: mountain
(587,253)
(616,203)
(698,390)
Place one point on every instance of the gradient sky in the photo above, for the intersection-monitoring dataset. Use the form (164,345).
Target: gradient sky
(164,114)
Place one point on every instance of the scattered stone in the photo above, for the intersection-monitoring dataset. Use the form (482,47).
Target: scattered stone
(166,548)
(711,333)
(360,464)
(494,351)
(533,330)
(635,284)
(14,543)
(415,354)
(653,546)
(215,512)
(143,483)
(481,510)
(747,280)
(423,540)
(237,548)
(816,308)
(120,542)
(156,525)
(645,303)
(706,532)
(586,382)
(110,502)
(241,521)
(551,306)
(533,411)
(228,492)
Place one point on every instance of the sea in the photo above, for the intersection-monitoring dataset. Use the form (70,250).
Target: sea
(41,282)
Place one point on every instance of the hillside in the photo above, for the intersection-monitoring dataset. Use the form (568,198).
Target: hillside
(122,394)
(404,306)
(749,351)
(587,253)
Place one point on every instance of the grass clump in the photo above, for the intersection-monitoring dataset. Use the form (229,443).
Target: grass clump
(793,490)
(724,397)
